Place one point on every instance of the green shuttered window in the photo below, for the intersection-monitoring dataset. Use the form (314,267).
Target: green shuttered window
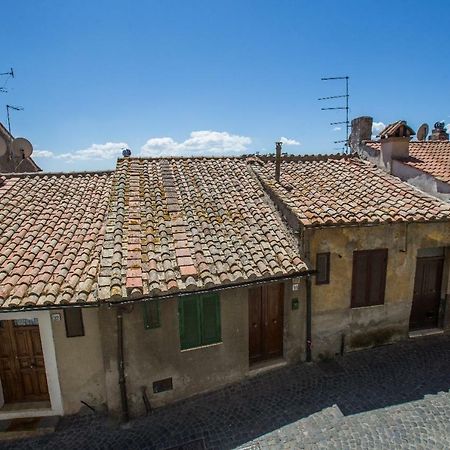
(199,320)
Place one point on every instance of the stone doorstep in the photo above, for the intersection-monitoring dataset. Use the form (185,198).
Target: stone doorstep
(426,332)
(266,366)
(27,427)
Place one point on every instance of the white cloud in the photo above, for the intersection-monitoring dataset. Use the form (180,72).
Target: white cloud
(109,150)
(43,154)
(377,128)
(199,143)
(337,129)
(287,141)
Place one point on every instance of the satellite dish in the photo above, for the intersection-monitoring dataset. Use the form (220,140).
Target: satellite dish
(422,132)
(3,146)
(22,147)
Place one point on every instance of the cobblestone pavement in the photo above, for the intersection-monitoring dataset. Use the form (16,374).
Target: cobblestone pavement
(358,384)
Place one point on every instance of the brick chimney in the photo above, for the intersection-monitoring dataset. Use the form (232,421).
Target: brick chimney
(394,141)
(439,132)
(361,131)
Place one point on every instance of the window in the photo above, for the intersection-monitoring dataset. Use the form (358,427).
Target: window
(199,317)
(369,277)
(323,268)
(73,318)
(151,314)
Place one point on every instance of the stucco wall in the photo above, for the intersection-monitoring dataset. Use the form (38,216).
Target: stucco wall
(154,354)
(334,323)
(80,363)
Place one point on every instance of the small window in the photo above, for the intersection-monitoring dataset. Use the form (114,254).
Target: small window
(151,314)
(323,268)
(199,320)
(73,318)
(369,277)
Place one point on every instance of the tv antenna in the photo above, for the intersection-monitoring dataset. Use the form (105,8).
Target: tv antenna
(8,75)
(346,108)
(15,108)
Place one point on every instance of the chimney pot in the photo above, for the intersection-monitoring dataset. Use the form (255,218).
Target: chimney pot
(439,132)
(278,146)
(361,131)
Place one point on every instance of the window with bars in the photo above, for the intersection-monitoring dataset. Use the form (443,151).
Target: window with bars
(199,320)
(369,277)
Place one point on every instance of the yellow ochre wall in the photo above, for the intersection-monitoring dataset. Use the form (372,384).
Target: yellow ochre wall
(335,325)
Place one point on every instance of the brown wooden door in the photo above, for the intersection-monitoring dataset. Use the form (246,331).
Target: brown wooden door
(427,293)
(22,368)
(265,322)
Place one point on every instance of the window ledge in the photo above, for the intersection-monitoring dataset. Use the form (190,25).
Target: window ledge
(202,346)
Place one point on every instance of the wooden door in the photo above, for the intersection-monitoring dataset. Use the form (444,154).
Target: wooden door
(22,368)
(265,322)
(427,293)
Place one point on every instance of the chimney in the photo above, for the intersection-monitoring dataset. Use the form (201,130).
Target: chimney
(361,131)
(278,160)
(394,141)
(439,132)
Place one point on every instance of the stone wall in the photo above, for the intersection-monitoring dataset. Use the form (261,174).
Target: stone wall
(336,326)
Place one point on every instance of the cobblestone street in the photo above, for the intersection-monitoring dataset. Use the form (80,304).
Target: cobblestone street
(386,377)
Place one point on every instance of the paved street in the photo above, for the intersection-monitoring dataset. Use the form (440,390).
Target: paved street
(359,384)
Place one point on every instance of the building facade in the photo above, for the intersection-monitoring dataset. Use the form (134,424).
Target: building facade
(169,277)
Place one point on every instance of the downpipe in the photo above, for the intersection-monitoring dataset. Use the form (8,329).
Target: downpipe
(308,319)
(121,367)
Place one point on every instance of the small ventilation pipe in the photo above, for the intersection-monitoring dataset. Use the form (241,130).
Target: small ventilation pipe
(278,160)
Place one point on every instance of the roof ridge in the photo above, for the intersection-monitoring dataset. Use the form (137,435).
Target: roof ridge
(306,158)
(43,174)
(166,158)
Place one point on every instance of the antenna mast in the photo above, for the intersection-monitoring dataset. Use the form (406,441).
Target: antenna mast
(346,108)
(15,108)
(8,75)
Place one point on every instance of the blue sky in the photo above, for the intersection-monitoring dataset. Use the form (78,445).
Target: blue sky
(212,77)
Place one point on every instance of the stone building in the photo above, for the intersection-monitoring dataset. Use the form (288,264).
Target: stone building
(423,163)
(173,276)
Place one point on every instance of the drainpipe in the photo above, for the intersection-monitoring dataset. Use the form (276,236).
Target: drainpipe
(308,319)
(278,160)
(121,366)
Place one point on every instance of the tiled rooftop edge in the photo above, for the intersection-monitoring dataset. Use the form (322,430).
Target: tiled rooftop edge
(51,174)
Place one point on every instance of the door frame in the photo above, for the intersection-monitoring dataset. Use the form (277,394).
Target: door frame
(439,324)
(51,368)
(269,361)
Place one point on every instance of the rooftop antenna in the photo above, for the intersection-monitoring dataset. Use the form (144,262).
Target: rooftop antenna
(8,75)
(15,108)
(346,108)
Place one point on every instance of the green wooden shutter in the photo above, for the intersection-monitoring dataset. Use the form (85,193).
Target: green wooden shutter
(189,317)
(151,314)
(210,319)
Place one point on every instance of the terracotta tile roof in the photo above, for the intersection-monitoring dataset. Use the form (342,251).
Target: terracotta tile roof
(51,233)
(183,224)
(347,191)
(431,157)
